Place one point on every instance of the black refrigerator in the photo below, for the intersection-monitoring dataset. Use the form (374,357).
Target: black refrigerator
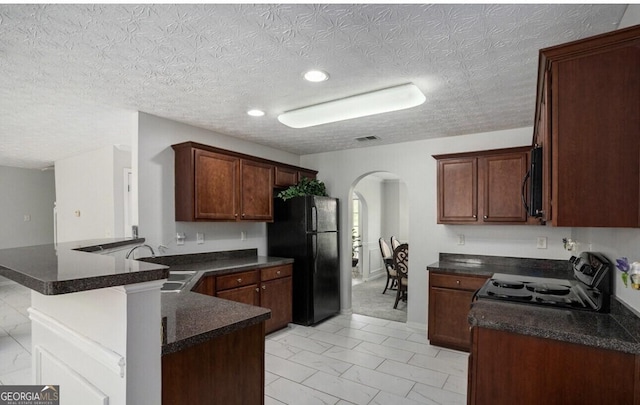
(306,229)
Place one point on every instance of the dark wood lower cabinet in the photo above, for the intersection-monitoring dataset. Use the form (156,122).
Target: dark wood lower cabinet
(269,287)
(508,368)
(226,370)
(276,295)
(246,295)
(449,302)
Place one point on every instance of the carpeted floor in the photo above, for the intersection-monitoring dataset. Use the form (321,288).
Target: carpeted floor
(367,299)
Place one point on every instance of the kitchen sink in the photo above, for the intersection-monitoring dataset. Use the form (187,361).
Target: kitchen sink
(181,276)
(171,286)
(177,280)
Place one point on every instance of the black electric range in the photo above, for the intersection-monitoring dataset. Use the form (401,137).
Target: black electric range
(590,289)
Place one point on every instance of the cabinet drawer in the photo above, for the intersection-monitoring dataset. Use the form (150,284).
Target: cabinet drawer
(272,273)
(237,280)
(459,282)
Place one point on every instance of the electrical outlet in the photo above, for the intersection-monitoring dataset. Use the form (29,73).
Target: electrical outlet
(243,235)
(180,237)
(460,239)
(541,242)
(27,217)
(200,238)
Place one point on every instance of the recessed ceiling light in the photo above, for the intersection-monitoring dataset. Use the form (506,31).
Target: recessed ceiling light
(255,113)
(316,76)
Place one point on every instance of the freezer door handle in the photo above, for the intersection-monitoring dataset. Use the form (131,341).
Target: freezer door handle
(314,218)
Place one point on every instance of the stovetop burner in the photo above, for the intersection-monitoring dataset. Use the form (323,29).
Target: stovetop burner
(588,291)
(516,285)
(546,288)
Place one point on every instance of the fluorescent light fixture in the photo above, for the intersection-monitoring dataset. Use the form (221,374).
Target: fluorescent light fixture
(361,105)
(316,76)
(255,113)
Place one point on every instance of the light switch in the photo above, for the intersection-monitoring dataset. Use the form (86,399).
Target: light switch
(200,238)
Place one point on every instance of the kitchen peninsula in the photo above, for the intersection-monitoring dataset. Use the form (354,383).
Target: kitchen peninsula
(102,330)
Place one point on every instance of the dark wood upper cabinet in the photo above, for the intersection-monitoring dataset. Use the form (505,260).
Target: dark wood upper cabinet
(457,190)
(482,187)
(285,177)
(217,191)
(213,184)
(587,121)
(256,191)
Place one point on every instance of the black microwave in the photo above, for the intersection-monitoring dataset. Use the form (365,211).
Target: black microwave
(533,201)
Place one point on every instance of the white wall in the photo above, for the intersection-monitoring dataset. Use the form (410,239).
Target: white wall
(89,198)
(370,190)
(395,220)
(26,192)
(413,163)
(154,169)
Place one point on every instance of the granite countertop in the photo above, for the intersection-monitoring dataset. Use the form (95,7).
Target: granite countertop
(194,318)
(618,330)
(218,263)
(488,265)
(74,266)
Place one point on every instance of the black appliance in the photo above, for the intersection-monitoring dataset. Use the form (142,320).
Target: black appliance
(306,229)
(590,290)
(533,202)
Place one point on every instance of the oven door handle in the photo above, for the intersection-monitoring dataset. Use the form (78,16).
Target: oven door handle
(524,185)
(474,297)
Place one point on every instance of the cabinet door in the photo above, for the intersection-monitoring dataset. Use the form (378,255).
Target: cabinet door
(535,370)
(276,295)
(596,122)
(206,285)
(216,185)
(257,191)
(502,176)
(457,190)
(285,177)
(246,295)
(304,174)
(448,325)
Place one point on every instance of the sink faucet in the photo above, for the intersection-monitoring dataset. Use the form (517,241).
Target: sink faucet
(153,254)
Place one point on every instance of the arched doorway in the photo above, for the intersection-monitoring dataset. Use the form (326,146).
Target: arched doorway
(378,208)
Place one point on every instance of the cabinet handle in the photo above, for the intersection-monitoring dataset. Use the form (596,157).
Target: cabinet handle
(236,215)
(257,289)
(239,280)
(475,216)
(486,217)
(278,272)
(243,214)
(458,282)
(264,287)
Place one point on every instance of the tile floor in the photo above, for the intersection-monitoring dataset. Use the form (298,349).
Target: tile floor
(348,359)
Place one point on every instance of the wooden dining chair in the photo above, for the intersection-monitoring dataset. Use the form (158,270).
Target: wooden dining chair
(401,266)
(394,243)
(387,258)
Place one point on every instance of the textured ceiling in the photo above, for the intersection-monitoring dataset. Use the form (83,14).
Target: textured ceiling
(72,76)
